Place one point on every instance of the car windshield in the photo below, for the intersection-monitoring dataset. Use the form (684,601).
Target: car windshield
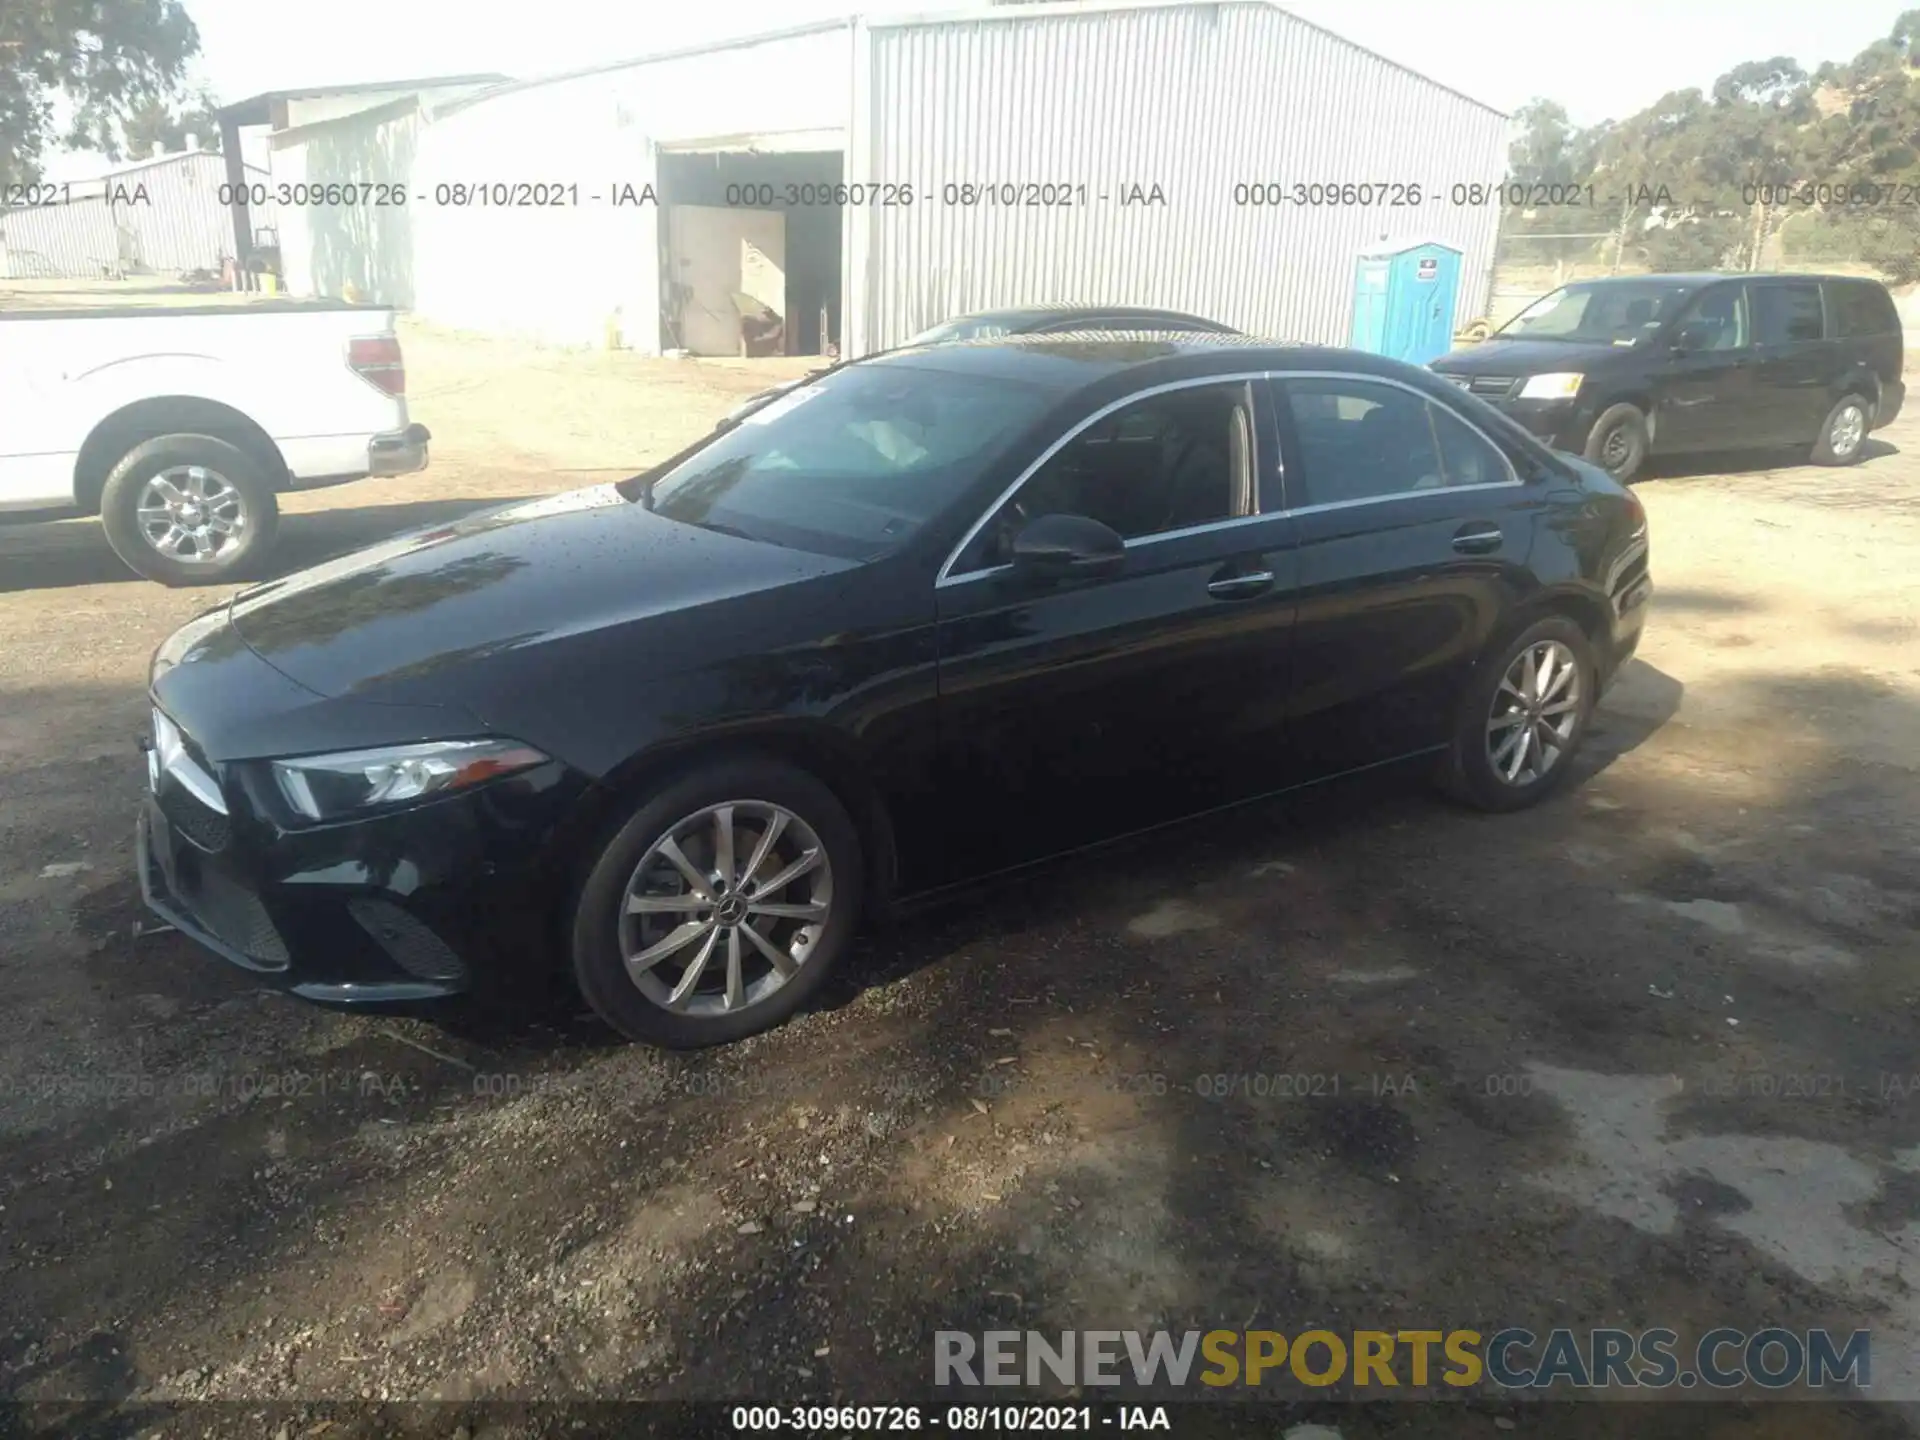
(965,328)
(1614,313)
(850,465)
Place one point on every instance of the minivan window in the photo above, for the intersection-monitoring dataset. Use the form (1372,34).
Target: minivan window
(1717,320)
(1611,312)
(1861,308)
(852,464)
(1786,314)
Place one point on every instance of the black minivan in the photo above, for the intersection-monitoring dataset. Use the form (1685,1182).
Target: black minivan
(1631,366)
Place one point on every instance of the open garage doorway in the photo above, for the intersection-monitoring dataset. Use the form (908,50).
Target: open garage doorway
(749,249)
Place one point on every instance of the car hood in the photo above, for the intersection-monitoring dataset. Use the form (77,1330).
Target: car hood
(1531,357)
(391,621)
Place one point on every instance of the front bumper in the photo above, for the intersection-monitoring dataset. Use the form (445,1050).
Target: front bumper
(441,899)
(400,452)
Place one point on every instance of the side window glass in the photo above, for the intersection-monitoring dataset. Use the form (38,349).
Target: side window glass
(1466,456)
(1169,462)
(1360,440)
(1786,314)
(1717,320)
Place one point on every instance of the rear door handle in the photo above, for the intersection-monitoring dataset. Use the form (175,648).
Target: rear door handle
(1241,587)
(1477,539)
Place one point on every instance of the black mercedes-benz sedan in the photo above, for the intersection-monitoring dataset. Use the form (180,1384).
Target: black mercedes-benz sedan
(937,614)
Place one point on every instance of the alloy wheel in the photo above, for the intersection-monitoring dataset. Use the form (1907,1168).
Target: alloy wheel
(1535,710)
(725,908)
(1849,428)
(192,514)
(1616,447)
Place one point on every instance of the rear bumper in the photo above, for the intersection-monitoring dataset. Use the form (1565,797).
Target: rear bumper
(1893,394)
(399,452)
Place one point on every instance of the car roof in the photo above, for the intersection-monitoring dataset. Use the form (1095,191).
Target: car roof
(1068,361)
(1041,314)
(1711,277)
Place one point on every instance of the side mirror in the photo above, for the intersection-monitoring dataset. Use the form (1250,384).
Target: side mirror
(1068,545)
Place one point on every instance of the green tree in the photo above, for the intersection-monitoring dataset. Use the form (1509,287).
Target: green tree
(153,127)
(103,57)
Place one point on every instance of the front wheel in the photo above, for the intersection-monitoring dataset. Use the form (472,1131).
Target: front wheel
(719,907)
(1842,433)
(188,510)
(1618,441)
(1523,718)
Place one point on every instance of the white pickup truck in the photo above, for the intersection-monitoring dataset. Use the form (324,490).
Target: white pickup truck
(179,426)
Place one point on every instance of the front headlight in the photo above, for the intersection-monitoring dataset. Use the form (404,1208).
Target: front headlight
(333,787)
(1551,387)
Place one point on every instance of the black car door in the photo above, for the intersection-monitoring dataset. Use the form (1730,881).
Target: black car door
(1413,531)
(1796,365)
(1706,386)
(1075,709)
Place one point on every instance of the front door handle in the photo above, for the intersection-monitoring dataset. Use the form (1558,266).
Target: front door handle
(1477,539)
(1241,587)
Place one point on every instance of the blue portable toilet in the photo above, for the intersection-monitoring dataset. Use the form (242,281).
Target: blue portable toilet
(1403,298)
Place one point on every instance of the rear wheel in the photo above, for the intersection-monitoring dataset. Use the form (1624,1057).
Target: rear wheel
(1618,441)
(1523,718)
(719,907)
(188,510)
(1843,433)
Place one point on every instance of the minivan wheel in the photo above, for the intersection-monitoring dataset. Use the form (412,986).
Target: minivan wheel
(1617,443)
(188,510)
(1843,433)
(1523,718)
(719,907)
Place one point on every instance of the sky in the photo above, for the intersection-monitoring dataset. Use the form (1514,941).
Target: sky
(1600,62)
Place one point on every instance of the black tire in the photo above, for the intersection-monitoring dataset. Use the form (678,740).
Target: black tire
(1619,431)
(243,475)
(1468,773)
(1833,446)
(598,962)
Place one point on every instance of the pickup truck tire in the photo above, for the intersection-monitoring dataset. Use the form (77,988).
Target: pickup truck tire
(188,510)
(1617,443)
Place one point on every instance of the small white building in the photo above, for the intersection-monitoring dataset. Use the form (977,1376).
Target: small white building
(875,176)
(156,217)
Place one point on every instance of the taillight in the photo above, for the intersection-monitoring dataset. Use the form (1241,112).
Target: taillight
(376,360)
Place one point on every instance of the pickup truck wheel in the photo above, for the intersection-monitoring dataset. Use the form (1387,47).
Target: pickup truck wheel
(188,510)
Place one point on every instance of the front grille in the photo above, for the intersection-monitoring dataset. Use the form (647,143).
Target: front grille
(408,940)
(205,828)
(1492,384)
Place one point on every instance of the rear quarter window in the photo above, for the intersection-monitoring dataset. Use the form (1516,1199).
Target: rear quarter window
(1862,308)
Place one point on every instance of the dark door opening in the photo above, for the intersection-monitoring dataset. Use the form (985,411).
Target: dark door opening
(707,294)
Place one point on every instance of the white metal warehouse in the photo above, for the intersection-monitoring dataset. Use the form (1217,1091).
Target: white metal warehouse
(699,175)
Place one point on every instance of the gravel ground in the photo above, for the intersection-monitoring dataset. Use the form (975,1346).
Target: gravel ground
(1644,1056)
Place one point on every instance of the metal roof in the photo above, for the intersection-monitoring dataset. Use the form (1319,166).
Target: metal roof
(372,87)
(986,14)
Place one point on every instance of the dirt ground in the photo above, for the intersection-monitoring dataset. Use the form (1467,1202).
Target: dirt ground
(1644,1056)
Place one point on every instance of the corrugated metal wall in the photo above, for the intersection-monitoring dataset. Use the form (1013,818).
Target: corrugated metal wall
(179,224)
(367,245)
(557,273)
(1195,99)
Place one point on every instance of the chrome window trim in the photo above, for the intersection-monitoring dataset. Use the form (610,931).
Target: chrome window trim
(948,577)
